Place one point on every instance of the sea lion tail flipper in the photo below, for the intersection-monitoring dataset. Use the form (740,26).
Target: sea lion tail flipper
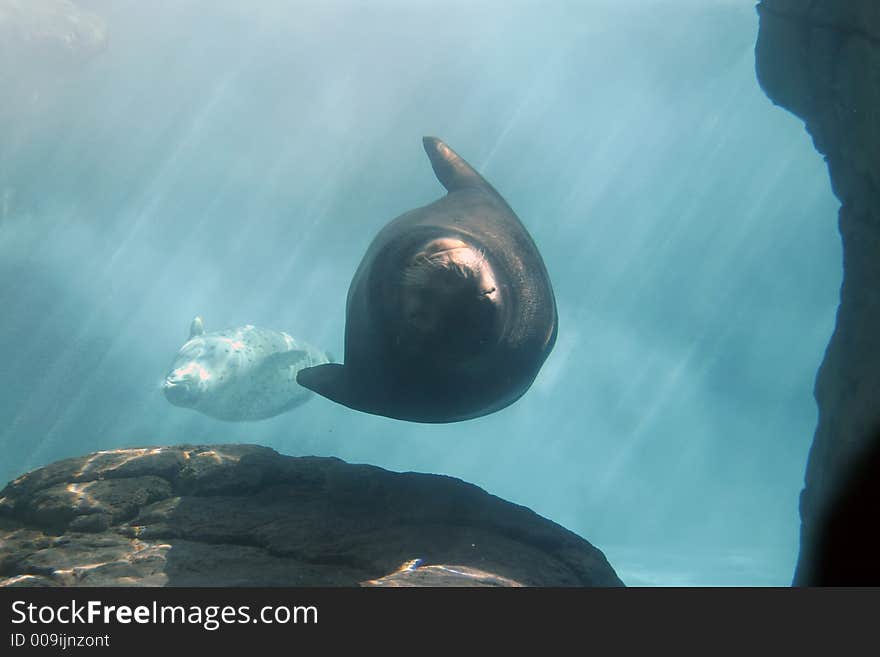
(450,168)
(197,327)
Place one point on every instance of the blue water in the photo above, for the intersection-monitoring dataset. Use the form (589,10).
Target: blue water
(234,160)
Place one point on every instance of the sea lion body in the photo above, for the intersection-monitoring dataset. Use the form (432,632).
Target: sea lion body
(240,374)
(450,314)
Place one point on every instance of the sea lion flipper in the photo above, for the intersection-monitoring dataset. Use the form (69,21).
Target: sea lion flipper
(197,327)
(450,168)
(327,380)
(286,359)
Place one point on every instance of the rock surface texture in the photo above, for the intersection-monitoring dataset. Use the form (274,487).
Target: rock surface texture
(244,515)
(820,59)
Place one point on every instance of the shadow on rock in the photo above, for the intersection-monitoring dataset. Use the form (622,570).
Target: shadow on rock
(848,542)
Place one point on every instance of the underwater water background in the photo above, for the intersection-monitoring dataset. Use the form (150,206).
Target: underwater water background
(234,160)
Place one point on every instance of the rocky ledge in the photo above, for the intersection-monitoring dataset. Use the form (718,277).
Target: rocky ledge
(244,515)
(820,60)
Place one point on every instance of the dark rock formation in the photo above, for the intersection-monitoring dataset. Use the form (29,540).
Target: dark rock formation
(821,60)
(848,541)
(236,515)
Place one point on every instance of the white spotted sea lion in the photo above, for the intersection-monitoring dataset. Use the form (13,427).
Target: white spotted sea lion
(240,374)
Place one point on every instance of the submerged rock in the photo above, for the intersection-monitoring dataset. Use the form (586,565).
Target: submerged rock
(244,515)
(412,573)
(820,60)
(848,541)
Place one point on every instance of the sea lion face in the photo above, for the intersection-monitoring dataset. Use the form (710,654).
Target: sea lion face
(449,301)
(193,372)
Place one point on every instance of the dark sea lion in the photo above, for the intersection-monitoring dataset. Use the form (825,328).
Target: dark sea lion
(450,314)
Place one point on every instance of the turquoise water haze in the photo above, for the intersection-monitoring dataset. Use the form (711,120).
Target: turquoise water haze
(234,160)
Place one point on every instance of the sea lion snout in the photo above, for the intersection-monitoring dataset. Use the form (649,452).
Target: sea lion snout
(450,266)
(180,392)
(448,301)
(183,384)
